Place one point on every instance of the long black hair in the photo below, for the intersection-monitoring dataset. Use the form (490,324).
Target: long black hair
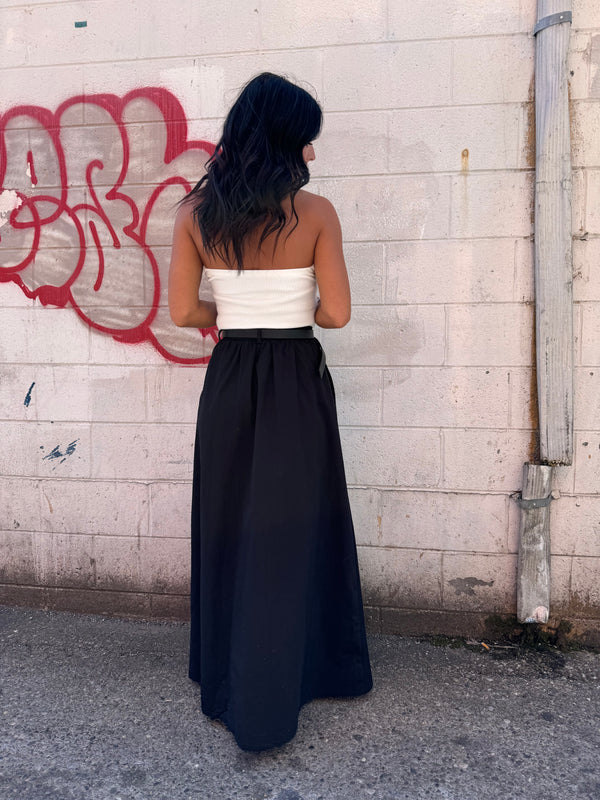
(256,164)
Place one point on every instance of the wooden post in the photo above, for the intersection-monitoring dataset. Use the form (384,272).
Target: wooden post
(533,571)
(553,261)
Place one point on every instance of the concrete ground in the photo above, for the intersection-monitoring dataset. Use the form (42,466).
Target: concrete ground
(102,709)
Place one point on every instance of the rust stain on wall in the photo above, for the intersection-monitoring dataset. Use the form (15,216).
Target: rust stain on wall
(529,133)
(464,160)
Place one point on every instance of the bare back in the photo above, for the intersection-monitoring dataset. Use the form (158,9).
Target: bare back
(292,251)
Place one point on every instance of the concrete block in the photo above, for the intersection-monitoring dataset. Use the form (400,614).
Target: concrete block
(445,397)
(523,409)
(586,255)
(467,18)
(560,585)
(484,460)
(585,149)
(222,77)
(40,92)
(587,461)
(587,398)
(586,14)
(62,450)
(103,38)
(19,504)
(142,452)
(365,263)
(391,456)
(376,76)
(66,560)
(396,207)
(436,139)
(366,515)
(592,210)
(358,393)
(308,24)
(117,562)
(578,64)
(444,521)
(386,335)
(575,523)
(19,454)
(62,393)
(594,85)
(11,296)
(464,271)
(494,204)
(590,334)
(585,587)
(173,393)
(32,449)
(165,565)
(480,582)
(105,350)
(352,143)
(564,480)
(400,577)
(170,606)
(17,564)
(170,509)
(490,334)
(94,507)
(117,394)
(18,392)
(524,290)
(43,335)
(508,72)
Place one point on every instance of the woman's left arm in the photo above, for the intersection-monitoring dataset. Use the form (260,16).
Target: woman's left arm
(185,307)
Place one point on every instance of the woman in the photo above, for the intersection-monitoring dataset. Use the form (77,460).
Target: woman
(276,605)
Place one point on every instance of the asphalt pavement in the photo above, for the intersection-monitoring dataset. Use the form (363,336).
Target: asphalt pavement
(101,708)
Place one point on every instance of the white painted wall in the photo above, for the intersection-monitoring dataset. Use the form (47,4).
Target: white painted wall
(434,372)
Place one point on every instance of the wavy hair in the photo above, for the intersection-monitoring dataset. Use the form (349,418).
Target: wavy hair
(256,164)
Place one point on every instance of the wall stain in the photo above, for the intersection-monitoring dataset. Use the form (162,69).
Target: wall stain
(465,585)
(57,452)
(28,396)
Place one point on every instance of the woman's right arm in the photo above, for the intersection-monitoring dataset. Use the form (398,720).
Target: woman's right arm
(185,273)
(334,307)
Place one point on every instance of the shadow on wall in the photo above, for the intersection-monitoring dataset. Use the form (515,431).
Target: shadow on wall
(87,202)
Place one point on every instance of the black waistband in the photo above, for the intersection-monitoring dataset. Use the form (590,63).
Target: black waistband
(275,333)
(268,333)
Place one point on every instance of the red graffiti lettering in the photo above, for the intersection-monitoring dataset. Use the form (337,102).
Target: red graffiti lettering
(87,200)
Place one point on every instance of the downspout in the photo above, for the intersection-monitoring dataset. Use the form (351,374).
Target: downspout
(553,306)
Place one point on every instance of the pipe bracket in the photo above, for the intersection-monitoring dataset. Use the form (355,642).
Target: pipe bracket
(552,19)
(541,502)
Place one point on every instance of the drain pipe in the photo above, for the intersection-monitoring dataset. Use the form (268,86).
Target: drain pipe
(553,306)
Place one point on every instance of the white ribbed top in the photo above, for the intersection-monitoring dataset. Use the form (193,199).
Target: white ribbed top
(264,298)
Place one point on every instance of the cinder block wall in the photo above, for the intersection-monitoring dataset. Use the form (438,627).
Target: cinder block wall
(428,154)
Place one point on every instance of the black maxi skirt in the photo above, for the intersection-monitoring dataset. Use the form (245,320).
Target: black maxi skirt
(276,604)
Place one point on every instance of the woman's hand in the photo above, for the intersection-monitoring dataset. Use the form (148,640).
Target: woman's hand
(185,273)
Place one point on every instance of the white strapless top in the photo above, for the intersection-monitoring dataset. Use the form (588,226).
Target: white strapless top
(264,298)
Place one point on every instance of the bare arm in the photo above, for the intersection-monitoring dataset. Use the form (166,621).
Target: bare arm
(185,273)
(334,308)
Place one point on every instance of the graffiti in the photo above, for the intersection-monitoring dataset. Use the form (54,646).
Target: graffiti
(58,453)
(28,396)
(87,201)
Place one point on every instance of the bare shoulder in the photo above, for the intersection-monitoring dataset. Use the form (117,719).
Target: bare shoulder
(317,205)
(184,216)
